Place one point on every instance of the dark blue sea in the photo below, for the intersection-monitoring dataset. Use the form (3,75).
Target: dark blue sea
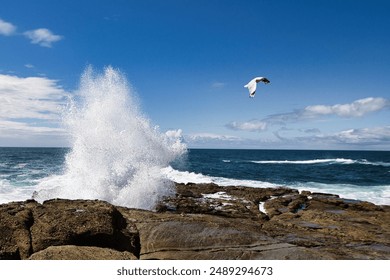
(362,175)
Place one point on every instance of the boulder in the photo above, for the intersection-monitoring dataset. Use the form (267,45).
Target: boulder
(83,223)
(29,227)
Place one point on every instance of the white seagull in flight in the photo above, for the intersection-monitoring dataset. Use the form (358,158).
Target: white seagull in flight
(253,83)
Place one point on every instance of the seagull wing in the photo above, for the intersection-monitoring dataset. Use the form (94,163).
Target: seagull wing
(262,79)
(251,87)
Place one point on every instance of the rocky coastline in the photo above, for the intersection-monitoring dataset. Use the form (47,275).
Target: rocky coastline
(202,221)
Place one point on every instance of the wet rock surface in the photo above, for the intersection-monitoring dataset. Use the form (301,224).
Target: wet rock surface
(202,221)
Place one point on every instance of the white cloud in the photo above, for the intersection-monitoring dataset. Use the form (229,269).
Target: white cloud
(218,85)
(22,134)
(374,137)
(253,125)
(208,140)
(311,130)
(30,106)
(210,136)
(12,129)
(28,65)
(6,28)
(213,140)
(357,108)
(362,138)
(223,141)
(367,136)
(43,37)
(31,97)
(377,138)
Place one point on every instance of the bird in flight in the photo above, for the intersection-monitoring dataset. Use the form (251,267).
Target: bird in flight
(253,84)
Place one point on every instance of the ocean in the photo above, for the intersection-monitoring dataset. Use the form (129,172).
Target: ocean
(361,175)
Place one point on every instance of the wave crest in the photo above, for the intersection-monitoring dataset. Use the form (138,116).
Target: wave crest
(322,161)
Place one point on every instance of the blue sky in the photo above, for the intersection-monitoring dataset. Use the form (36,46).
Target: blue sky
(328,63)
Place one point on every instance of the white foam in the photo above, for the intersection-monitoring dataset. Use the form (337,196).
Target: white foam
(20,166)
(375,163)
(116,154)
(322,161)
(379,195)
(9,192)
(185,177)
(311,161)
(218,195)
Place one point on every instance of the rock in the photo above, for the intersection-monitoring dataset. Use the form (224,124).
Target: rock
(72,252)
(202,221)
(345,228)
(286,203)
(29,227)
(86,223)
(319,225)
(198,236)
(235,201)
(15,221)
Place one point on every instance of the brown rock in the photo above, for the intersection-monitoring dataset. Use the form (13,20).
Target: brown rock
(197,236)
(203,221)
(345,228)
(234,201)
(83,223)
(15,221)
(29,227)
(72,252)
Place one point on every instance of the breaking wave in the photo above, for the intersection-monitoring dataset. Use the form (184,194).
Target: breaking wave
(322,161)
(116,154)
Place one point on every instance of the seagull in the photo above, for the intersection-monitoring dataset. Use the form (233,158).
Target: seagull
(253,83)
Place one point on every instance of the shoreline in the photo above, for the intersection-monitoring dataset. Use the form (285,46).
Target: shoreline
(202,221)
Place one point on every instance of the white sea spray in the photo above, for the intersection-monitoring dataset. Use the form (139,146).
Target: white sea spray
(116,154)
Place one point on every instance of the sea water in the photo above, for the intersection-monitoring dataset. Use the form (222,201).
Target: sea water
(117,155)
(361,175)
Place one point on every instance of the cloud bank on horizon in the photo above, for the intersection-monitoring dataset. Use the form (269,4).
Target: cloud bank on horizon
(357,109)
